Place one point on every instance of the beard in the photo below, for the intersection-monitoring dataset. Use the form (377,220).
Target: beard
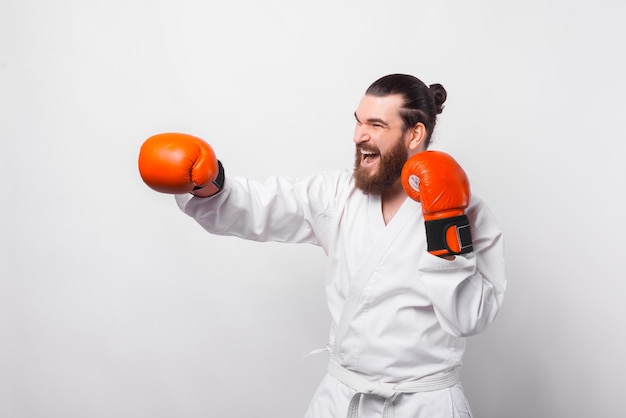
(388,171)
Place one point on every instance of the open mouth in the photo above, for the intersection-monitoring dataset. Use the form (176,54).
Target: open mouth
(368,157)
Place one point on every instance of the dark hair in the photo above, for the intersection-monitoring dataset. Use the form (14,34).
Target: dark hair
(421,103)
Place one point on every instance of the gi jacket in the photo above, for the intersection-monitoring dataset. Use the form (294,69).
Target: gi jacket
(409,313)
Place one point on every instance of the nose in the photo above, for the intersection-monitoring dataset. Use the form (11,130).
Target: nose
(360,134)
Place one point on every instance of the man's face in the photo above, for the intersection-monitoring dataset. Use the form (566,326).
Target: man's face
(381,144)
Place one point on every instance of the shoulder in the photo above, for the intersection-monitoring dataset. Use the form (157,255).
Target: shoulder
(333,183)
(339,177)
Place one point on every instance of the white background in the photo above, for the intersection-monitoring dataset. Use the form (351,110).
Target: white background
(115,304)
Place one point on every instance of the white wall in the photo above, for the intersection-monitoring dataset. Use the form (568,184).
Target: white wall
(114,304)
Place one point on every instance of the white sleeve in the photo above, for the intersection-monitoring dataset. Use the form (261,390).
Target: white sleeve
(276,210)
(467,292)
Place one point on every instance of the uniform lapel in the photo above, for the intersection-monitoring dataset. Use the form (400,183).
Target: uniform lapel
(383,237)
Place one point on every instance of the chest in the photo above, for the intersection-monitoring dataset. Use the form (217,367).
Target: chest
(390,206)
(390,252)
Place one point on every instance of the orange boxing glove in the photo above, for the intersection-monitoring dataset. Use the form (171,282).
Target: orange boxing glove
(179,163)
(437,181)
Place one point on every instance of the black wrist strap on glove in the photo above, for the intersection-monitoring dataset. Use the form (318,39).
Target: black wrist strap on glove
(442,240)
(219,181)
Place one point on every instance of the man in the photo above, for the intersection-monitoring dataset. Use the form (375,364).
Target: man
(407,279)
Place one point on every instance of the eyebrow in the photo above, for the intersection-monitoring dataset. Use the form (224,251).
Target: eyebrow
(372,120)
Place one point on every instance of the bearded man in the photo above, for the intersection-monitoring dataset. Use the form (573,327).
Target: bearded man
(415,262)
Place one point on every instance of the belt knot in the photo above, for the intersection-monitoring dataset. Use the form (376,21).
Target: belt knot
(388,391)
(381,389)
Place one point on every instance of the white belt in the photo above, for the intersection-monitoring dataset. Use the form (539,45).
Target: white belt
(388,391)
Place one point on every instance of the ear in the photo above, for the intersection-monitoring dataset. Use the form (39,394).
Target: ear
(416,140)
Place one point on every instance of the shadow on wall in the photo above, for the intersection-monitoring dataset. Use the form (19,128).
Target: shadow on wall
(504,375)
(541,360)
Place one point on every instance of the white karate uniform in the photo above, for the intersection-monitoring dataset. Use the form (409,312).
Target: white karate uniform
(408,319)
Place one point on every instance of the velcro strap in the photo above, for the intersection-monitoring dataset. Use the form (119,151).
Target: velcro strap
(219,181)
(449,236)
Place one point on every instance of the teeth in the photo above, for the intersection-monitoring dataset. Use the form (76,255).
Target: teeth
(367,152)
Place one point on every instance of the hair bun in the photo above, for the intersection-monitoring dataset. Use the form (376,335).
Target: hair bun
(440,95)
